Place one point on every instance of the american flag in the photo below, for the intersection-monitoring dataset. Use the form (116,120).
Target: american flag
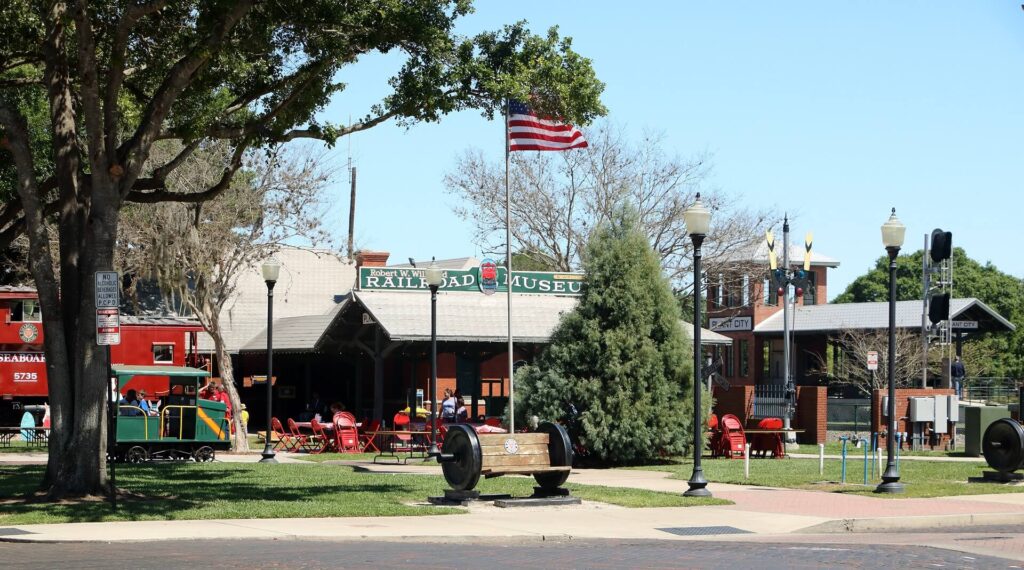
(527,131)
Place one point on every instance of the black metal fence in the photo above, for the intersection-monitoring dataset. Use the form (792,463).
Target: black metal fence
(849,414)
(770,401)
(991,390)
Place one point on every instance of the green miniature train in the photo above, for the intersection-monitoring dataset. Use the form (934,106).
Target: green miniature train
(185,426)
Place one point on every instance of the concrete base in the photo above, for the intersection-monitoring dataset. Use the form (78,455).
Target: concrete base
(537,502)
(464,498)
(997,477)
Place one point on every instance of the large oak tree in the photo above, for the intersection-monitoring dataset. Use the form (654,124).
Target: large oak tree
(88,87)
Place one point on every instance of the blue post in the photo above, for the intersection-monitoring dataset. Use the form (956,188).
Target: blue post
(843,462)
(874,450)
(899,444)
(866,446)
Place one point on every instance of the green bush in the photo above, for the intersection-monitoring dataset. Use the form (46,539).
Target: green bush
(620,359)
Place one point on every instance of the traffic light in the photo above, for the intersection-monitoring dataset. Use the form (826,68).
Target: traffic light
(942,245)
(938,308)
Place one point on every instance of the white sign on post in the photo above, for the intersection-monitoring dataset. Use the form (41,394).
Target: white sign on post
(872,360)
(108,326)
(108,290)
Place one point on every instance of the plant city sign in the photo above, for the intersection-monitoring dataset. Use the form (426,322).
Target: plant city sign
(730,324)
(410,279)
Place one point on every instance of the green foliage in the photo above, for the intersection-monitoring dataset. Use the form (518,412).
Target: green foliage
(621,358)
(1002,292)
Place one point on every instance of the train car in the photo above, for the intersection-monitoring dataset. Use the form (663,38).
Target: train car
(144,340)
(185,426)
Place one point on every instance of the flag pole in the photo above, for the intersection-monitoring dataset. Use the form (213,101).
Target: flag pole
(508,279)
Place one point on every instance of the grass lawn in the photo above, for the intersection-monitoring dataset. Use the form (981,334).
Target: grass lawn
(18,446)
(179,491)
(836,448)
(921,478)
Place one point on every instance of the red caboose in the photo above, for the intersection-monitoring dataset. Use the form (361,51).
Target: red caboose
(144,340)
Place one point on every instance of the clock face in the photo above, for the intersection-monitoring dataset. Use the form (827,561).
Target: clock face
(511,446)
(28,332)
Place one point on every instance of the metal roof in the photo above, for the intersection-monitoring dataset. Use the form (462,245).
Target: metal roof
(160,321)
(706,336)
(465,317)
(308,282)
(838,316)
(149,370)
(294,333)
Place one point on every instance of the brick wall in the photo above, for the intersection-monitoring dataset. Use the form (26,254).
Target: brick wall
(903,396)
(811,414)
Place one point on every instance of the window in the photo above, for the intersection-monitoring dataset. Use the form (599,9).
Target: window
(26,312)
(810,298)
(772,292)
(163,354)
(744,357)
(730,368)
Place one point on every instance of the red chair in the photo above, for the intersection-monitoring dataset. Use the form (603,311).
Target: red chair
(402,442)
(764,443)
(301,440)
(285,441)
(368,436)
(346,434)
(733,440)
(493,422)
(319,442)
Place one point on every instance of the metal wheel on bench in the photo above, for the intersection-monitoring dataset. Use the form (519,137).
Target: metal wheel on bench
(1003,445)
(546,454)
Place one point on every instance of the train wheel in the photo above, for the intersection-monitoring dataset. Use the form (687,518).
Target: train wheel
(203,454)
(560,452)
(1003,445)
(136,454)
(464,472)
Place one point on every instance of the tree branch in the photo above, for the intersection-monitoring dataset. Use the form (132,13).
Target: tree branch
(116,72)
(136,149)
(89,90)
(162,172)
(192,197)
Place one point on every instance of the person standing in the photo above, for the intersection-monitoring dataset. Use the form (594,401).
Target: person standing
(958,372)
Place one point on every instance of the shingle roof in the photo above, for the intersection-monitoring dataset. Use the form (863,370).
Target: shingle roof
(157,321)
(759,254)
(308,282)
(836,316)
(461,263)
(706,336)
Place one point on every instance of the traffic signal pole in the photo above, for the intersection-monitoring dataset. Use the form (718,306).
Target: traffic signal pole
(927,279)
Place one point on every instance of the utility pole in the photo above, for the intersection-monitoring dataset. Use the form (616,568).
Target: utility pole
(351,211)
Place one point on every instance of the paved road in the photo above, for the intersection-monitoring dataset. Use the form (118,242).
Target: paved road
(611,554)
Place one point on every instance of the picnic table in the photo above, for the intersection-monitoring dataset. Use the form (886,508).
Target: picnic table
(776,446)
(39,436)
(391,444)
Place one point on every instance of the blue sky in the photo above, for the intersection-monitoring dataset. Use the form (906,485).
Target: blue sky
(832,111)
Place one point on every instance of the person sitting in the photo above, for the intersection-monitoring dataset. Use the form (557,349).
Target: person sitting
(129,405)
(209,391)
(337,408)
(144,404)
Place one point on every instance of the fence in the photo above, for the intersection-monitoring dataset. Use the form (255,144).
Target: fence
(770,401)
(991,390)
(849,414)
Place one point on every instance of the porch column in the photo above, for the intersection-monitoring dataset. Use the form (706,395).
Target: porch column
(378,375)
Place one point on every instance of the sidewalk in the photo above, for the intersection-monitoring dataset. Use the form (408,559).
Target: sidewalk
(759,511)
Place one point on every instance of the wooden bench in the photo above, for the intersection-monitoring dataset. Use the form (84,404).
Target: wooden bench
(531,456)
(546,454)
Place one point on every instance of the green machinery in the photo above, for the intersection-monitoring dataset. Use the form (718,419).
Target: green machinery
(185,427)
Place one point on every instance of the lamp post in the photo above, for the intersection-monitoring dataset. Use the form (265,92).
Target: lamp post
(892,238)
(434,275)
(698,220)
(271,268)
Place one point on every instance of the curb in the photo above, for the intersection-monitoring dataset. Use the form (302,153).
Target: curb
(912,523)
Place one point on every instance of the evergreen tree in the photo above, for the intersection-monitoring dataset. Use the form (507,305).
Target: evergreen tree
(620,359)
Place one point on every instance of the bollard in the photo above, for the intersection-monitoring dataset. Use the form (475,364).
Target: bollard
(874,455)
(746,462)
(866,446)
(821,459)
(843,460)
(899,444)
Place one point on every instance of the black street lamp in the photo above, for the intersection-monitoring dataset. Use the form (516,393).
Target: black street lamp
(698,221)
(271,268)
(434,275)
(892,238)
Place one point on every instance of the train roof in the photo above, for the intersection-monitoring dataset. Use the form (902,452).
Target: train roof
(151,370)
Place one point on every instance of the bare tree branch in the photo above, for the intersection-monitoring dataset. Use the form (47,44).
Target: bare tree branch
(194,197)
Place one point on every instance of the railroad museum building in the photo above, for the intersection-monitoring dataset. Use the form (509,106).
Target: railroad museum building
(371,350)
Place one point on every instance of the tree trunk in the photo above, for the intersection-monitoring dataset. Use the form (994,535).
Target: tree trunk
(239,441)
